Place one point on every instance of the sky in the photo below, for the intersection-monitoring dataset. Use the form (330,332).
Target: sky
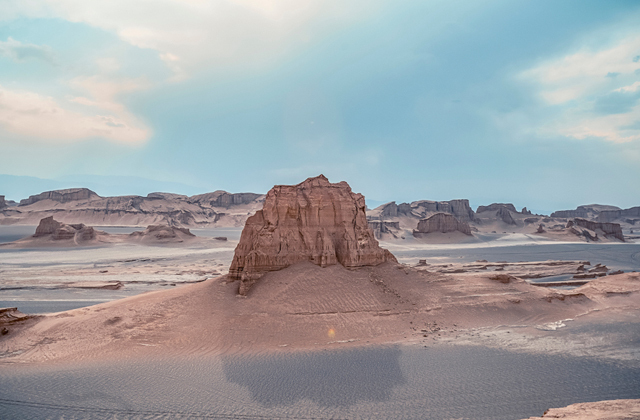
(531,102)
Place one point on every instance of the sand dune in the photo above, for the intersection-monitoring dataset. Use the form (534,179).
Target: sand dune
(308,307)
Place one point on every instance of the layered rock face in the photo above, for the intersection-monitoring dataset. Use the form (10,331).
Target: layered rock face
(609,229)
(82,205)
(380,227)
(504,214)
(224,199)
(589,211)
(424,208)
(313,221)
(497,207)
(441,222)
(61,196)
(60,231)
(611,215)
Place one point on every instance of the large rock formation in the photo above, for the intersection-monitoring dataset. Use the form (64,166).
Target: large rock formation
(380,227)
(441,222)
(82,205)
(313,221)
(609,229)
(611,215)
(224,199)
(3,203)
(504,214)
(162,234)
(497,207)
(424,208)
(589,211)
(61,196)
(60,231)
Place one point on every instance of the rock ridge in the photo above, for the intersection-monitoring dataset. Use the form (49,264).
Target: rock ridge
(441,222)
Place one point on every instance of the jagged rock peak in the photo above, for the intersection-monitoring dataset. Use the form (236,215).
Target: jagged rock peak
(441,222)
(313,221)
(62,196)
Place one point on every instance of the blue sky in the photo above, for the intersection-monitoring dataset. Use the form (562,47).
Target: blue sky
(535,103)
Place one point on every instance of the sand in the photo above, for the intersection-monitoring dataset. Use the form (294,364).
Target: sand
(305,307)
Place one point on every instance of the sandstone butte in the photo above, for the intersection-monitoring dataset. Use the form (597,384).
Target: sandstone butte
(313,221)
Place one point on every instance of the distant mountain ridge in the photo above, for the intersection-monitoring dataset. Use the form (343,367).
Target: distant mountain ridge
(82,205)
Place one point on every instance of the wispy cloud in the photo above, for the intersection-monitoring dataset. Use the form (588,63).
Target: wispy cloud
(20,51)
(43,118)
(592,91)
(190,35)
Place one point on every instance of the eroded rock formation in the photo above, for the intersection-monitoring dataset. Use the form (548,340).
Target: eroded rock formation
(3,203)
(589,211)
(632,214)
(424,208)
(504,214)
(441,222)
(163,233)
(313,221)
(60,231)
(380,227)
(496,207)
(609,229)
(61,196)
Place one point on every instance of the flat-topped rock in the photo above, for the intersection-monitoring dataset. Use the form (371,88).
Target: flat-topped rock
(313,221)
(441,222)
(61,196)
(496,207)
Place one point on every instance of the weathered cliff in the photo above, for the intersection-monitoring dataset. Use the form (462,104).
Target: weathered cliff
(609,229)
(424,208)
(497,207)
(313,221)
(62,196)
(589,211)
(82,205)
(60,231)
(611,215)
(441,222)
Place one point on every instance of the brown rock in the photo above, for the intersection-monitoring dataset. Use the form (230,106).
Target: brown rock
(609,229)
(496,207)
(60,231)
(441,222)
(313,221)
(61,196)
(505,215)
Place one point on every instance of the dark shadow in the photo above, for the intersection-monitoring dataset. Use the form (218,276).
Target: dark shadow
(330,379)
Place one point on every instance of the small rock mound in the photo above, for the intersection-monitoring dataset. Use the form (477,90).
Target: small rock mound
(163,234)
(60,231)
(441,222)
(313,221)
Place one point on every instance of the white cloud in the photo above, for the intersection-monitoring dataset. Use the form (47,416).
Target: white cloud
(19,51)
(578,84)
(43,118)
(190,35)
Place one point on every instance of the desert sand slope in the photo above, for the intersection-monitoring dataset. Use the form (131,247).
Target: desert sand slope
(599,410)
(306,307)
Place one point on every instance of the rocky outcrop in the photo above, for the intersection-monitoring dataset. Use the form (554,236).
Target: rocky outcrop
(505,215)
(3,203)
(599,410)
(224,199)
(611,215)
(424,208)
(496,207)
(313,221)
(380,227)
(441,222)
(156,208)
(609,229)
(61,196)
(525,211)
(60,231)
(588,211)
(162,233)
